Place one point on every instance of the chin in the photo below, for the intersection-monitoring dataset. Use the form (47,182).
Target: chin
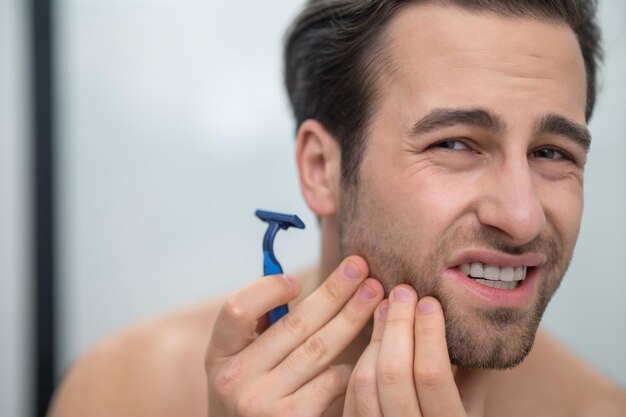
(494,339)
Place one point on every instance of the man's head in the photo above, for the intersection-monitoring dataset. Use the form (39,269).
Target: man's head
(336,49)
(450,146)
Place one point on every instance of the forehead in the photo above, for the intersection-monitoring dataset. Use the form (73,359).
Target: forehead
(441,56)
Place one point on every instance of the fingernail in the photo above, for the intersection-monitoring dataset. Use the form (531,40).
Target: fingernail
(290,281)
(351,271)
(400,294)
(426,306)
(366,292)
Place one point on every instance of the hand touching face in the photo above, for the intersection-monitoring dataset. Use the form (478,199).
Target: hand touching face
(289,369)
(405,370)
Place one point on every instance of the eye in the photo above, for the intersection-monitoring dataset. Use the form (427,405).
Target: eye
(451,144)
(550,153)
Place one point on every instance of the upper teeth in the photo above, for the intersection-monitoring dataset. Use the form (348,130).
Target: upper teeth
(494,272)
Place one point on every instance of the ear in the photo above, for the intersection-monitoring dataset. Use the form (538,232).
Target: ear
(319,159)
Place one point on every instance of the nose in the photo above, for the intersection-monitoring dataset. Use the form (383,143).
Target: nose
(510,203)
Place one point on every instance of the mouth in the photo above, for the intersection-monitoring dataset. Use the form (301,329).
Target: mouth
(495,276)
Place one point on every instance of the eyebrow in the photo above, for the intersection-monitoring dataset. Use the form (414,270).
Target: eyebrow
(441,118)
(549,124)
(559,125)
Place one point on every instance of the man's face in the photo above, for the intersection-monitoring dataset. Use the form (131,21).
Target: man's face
(471,185)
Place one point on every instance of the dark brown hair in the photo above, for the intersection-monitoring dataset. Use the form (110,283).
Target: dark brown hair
(334,52)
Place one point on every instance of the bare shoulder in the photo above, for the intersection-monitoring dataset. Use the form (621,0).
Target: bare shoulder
(553,381)
(154,368)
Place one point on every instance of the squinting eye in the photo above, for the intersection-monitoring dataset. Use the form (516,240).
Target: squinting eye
(451,144)
(549,153)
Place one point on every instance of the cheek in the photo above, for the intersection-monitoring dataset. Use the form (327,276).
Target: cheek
(420,207)
(563,207)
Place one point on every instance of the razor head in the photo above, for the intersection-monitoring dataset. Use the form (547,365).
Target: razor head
(284,221)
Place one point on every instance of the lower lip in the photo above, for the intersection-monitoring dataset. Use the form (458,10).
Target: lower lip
(519,297)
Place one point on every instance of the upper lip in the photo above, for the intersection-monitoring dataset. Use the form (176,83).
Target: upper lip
(492,257)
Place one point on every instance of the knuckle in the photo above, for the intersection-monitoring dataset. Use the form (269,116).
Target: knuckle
(331,291)
(400,320)
(429,377)
(315,348)
(391,371)
(295,324)
(235,310)
(227,378)
(334,378)
(364,379)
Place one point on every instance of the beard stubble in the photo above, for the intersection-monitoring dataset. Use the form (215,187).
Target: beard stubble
(485,338)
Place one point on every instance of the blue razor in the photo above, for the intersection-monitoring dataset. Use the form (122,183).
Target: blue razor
(276,221)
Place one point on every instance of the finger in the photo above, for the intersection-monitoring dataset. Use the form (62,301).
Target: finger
(277,342)
(394,373)
(380,317)
(362,394)
(319,350)
(237,321)
(436,389)
(325,388)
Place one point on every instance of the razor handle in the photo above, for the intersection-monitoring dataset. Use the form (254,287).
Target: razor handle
(272,267)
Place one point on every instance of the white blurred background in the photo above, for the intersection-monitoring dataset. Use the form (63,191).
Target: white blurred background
(173,127)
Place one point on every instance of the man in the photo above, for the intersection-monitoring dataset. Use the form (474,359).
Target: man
(442,145)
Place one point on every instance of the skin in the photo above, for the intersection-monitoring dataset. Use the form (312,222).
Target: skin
(358,340)
(440,193)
